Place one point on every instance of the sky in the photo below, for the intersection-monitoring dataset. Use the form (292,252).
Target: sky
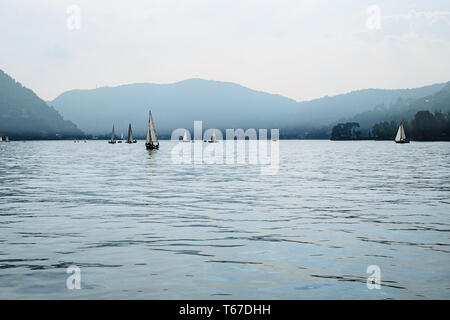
(302,49)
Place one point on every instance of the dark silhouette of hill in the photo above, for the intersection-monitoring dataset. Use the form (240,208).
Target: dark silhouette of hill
(218,104)
(405,109)
(23,115)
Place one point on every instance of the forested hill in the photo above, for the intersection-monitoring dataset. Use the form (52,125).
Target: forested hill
(23,115)
(424,119)
(404,109)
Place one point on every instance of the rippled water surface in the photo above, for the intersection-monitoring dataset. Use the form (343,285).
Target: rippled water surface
(140,226)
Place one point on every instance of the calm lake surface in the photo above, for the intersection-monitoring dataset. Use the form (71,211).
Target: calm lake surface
(140,226)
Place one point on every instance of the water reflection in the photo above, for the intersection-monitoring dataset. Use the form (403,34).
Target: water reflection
(140,226)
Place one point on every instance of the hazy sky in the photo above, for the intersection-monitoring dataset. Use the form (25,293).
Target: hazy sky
(300,49)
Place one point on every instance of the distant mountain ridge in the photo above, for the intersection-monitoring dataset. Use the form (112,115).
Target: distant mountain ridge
(404,109)
(325,110)
(218,104)
(23,115)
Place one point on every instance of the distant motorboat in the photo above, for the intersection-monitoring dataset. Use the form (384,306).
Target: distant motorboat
(151,142)
(185,137)
(213,137)
(112,141)
(130,135)
(401,136)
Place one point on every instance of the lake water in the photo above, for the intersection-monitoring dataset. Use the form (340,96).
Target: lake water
(139,226)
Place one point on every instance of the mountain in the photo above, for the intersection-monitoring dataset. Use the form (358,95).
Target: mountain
(23,115)
(177,105)
(326,110)
(218,104)
(404,109)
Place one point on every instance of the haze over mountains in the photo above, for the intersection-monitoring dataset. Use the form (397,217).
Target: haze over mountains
(23,115)
(218,104)
(404,109)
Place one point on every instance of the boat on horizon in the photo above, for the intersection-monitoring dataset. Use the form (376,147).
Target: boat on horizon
(121,138)
(151,142)
(213,137)
(130,135)
(185,137)
(401,136)
(112,141)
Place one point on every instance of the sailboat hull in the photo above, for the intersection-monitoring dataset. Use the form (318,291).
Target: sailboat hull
(152,146)
(402,141)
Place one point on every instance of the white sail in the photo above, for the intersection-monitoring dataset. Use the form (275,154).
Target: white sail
(1,139)
(398,137)
(148,139)
(185,137)
(403,135)
(130,134)
(112,134)
(7,139)
(213,137)
(121,136)
(151,132)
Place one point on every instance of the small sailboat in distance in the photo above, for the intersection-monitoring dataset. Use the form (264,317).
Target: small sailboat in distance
(130,135)
(112,141)
(121,138)
(152,140)
(1,139)
(6,139)
(185,136)
(213,137)
(401,136)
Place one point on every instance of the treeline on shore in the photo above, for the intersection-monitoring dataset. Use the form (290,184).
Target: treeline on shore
(425,126)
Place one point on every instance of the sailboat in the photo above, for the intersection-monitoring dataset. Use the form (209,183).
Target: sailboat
(130,135)
(185,137)
(401,136)
(1,139)
(112,141)
(121,138)
(213,137)
(152,140)
(6,139)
